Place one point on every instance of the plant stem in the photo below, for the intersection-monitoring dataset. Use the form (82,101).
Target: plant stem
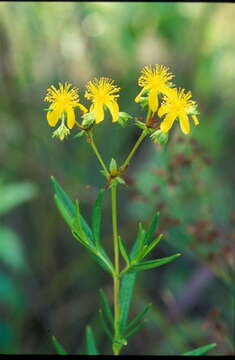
(96,151)
(116,264)
(135,147)
(137,144)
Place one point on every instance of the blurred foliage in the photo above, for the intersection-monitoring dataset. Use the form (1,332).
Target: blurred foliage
(47,282)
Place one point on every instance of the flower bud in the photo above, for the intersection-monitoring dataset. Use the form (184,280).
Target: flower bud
(113,167)
(123,118)
(159,137)
(88,119)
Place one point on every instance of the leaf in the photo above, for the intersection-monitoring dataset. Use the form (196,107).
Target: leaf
(152,245)
(96,217)
(201,350)
(152,263)
(138,317)
(152,228)
(138,242)
(90,342)
(104,325)
(102,262)
(79,227)
(63,197)
(123,250)
(68,209)
(14,194)
(58,347)
(138,327)
(125,296)
(106,307)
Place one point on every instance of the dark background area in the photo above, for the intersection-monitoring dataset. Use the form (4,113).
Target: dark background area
(48,282)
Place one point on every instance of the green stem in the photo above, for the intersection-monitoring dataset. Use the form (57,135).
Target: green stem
(135,147)
(116,264)
(96,151)
(137,144)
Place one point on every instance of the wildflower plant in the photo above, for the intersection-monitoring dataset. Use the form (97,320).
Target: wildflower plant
(164,104)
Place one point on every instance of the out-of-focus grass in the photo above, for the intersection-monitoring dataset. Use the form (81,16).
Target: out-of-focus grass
(191,181)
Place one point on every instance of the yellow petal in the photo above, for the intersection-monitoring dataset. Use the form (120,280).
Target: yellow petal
(137,99)
(153,100)
(184,124)
(167,123)
(98,113)
(195,119)
(70,117)
(53,117)
(162,110)
(83,108)
(114,109)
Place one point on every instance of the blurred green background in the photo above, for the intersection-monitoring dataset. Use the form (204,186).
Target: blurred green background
(48,283)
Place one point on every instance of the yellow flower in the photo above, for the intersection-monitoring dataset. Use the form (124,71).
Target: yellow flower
(155,80)
(178,104)
(102,93)
(63,101)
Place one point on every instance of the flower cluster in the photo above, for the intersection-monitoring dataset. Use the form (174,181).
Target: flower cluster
(158,92)
(176,103)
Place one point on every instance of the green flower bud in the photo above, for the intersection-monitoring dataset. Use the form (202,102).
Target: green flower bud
(159,137)
(113,167)
(123,118)
(88,119)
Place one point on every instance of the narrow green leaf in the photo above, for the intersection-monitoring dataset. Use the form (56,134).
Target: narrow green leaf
(139,317)
(63,211)
(104,325)
(58,347)
(96,217)
(201,350)
(104,257)
(63,197)
(138,242)
(101,261)
(125,296)
(152,245)
(90,342)
(152,263)
(152,228)
(138,327)
(106,307)
(68,209)
(123,250)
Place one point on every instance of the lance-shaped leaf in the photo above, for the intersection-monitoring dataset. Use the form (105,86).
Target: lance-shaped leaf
(96,217)
(106,307)
(68,209)
(123,250)
(150,232)
(201,350)
(58,347)
(152,246)
(138,318)
(151,264)
(125,296)
(79,227)
(138,327)
(63,202)
(90,342)
(138,242)
(104,325)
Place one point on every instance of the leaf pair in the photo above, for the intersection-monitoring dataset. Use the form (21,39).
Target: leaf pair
(79,227)
(142,247)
